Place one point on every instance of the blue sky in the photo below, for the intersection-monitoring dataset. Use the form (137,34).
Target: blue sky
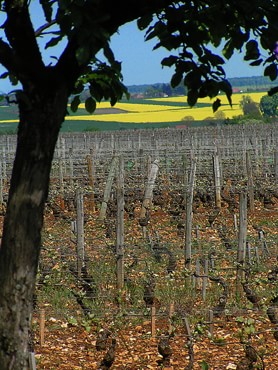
(140,64)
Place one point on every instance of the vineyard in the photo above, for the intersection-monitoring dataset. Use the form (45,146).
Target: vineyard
(160,250)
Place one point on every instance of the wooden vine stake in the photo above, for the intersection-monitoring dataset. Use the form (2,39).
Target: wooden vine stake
(120,225)
(91,181)
(242,235)
(42,326)
(148,196)
(235,222)
(276,166)
(171,313)
(205,281)
(250,182)
(1,186)
(32,361)
(189,343)
(108,187)
(197,277)
(217,179)
(189,213)
(80,245)
(153,328)
(210,319)
(71,167)
(61,180)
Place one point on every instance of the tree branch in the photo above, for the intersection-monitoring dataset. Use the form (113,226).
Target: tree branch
(28,63)
(6,56)
(109,15)
(44,27)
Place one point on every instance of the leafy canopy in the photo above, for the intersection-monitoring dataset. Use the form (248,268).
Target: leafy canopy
(189,30)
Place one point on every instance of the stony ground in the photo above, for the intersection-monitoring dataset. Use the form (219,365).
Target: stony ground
(71,344)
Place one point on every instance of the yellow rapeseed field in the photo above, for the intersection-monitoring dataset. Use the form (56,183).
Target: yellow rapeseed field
(159,110)
(164,112)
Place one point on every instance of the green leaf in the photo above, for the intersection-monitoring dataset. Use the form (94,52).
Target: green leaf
(53,42)
(256,62)
(271,71)
(226,87)
(169,61)
(96,91)
(216,104)
(90,105)
(75,103)
(204,365)
(228,50)
(273,91)
(13,79)
(4,75)
(252,50)
(192,97)
(143,22)
(176,79)
(78,88)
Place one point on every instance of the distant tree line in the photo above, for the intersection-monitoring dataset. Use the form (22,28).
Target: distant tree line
(247,84)
(252,83)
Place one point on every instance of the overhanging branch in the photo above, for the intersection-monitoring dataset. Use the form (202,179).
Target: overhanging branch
(44,27)
(6,56)
(28,63)
(109,16)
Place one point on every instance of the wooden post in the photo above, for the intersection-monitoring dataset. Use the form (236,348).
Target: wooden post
(108,187)
(4,164)
(42,326)
(80,249)
(248,253)
(71,167)
(186,327)
(148,196)
(153,329)
(205,280)
(197,232)
(210,319)
(189,343)
(189,214)
(32,361)
(250,182)
(276,165)
(257,255)
(242,235)
(120,225)
(91,182)
(61,177)
(171,313)
(198,273)
(235,222)
(217,179)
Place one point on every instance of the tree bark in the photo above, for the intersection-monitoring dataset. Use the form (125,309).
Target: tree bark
(41,115)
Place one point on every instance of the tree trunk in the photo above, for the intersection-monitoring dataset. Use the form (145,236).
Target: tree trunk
(41,116)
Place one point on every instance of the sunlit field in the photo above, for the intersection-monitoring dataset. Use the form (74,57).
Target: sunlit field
(140,113)
(171,109)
